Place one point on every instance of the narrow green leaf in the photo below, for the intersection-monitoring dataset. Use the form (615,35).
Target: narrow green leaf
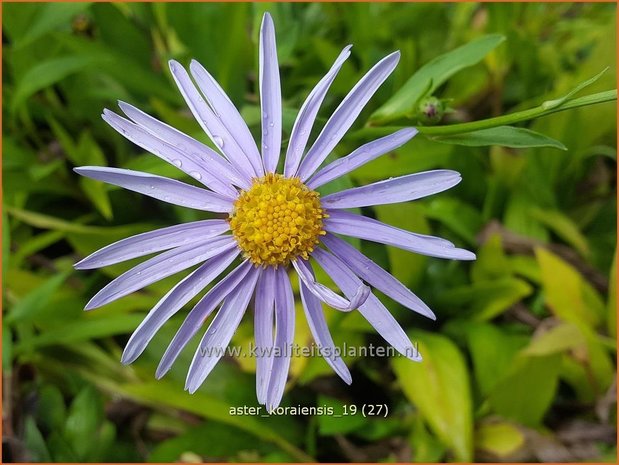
(35,301)
(164,394)
(47,74)
(564,227)
(430,76)
(439,388)
(550,104)
(82,330)
(506,136)
(50,17)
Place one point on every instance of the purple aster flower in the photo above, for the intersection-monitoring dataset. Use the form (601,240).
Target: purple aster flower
(274,222)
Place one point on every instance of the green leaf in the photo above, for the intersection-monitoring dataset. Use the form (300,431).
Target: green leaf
(612,299)
(48,18)
(48,73)
(432,75)
(426,447)
(83,419)
(439,388)
(32,303)
(82,330)
(550,104)
(564,290)
(34,442)
(165,394)
(506,136)
(564,227)
(7,350)
(330,425)
(489,298)
(498,438)
(492,350)
(527,391)
(560,338)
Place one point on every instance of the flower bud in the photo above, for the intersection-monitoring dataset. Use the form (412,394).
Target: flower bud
(430,110)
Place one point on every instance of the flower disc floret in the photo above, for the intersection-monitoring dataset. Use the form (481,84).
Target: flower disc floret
(276,220)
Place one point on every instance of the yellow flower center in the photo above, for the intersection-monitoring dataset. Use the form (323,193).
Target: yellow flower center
(276,220)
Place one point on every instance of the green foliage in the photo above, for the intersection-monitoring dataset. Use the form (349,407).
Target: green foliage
(523,349)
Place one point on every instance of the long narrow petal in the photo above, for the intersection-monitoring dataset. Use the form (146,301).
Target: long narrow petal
(351,224)
(211,124)
(320,331)
(373,274)
(306,274)
(159,267)
(196,317)
(220,331)
(364,154)
(173,301)
(372,310)
(227,112)
(193,157)
(345,115)
(164,189)
(153,241)
(270,96)
(395,190)
(284,335)
(263,331)
(307,115)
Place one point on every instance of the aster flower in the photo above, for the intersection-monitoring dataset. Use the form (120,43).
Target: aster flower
(275,222)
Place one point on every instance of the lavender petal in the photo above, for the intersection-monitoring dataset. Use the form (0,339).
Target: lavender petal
(307,115)
(159,267)
(194,158)
(173,301)
(270,96)
(284,334)
(211,124)
(364,154)
(344,115)
(350,224)
(164,189)
(320,331)
(153,241)
(227,113)
(200,313)
(400,189)
(373,274)
(263,331)
(372,310)
(306,274)
(220,331)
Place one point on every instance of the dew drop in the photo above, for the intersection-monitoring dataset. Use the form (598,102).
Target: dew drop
(178,163)
(212,330)
(219,141)
(166,198)
(265,147)
(195,174)
(264,114)
(271,124)
(152,187)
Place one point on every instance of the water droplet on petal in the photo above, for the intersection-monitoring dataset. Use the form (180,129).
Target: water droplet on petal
(152,187)
(271,124)
(195,174)
(219,141)
(265,147)
(166,198)
(178,163)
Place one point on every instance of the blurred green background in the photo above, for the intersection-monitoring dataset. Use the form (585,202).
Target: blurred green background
(520,365)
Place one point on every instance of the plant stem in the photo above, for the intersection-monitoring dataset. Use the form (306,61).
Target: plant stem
(519,116)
